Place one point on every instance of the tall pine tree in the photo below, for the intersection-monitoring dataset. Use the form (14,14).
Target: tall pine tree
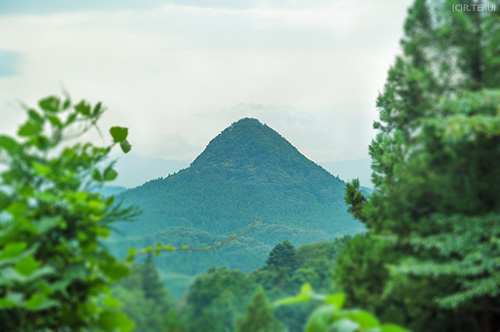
(436,167)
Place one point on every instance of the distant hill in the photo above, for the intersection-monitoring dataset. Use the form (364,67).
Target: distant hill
(247,173)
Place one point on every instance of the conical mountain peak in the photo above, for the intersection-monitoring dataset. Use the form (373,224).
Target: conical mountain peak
(248,143)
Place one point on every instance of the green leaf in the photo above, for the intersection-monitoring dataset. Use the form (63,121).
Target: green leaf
(98,108)
(125,145)
(35,116)
(110,174)
(109,320)
(11,300)
(27,129)
(116,271)
(40,302)
(41,169)
(50,104)
(392,328)
(71,118)
(83,108)
(55,121)
(336,300)
(8,144)
(131,252)
(13,249)
(345,325)
(27,265)
(47,223)
(119,134)
(96,175)
(363,318)
(4,200)
(319,319)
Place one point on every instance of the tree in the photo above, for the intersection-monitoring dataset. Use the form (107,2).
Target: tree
(145,299)
(259,316)
(282,257)
(435,167)
(54,272)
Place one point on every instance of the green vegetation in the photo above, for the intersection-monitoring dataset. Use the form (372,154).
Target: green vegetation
(247,173)
(430,260)
(54,272)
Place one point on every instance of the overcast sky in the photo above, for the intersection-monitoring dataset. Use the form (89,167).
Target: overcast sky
(178,72)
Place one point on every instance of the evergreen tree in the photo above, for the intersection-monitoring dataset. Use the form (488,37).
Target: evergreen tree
(259,316)
(435,163)
(151,284)
(282,256)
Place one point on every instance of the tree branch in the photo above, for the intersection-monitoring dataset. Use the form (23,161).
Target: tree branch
(186,248)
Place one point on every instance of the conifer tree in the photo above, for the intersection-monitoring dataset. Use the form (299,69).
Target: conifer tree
(435,167)
(259,316)
(282,256)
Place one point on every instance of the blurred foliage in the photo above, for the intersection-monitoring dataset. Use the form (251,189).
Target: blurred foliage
(431,259)
(54,272)
(145,299)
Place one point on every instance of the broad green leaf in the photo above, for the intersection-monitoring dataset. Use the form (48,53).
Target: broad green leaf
(131,252)
(47,223)
(55,121)
(301,298)
(125,145)
(8,144)
(27,265)
(96,175)
(112,302)
(27,129)
(71,118)
(306,289)
(320,319)
(119,134)
(35,117)
(50,104)
(9,276)
(13,249)
(363,318)
(110,174)
(344,325)
(336,300)
(41,169)
(12,299)
(116,271)
(40,302)
(109,320)
(4,200)
(392,328)
(83,108)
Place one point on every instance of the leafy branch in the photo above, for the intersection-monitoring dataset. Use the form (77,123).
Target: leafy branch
(132,252)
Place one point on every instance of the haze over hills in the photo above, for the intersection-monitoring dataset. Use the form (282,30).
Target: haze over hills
(247,173)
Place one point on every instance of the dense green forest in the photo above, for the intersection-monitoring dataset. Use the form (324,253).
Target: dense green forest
(426,256)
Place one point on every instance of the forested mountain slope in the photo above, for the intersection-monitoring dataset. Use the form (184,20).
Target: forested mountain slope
(247,173)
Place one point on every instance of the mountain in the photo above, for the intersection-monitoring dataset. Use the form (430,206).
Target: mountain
(247,173)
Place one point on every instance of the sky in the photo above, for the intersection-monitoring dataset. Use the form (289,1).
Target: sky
(176,73)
